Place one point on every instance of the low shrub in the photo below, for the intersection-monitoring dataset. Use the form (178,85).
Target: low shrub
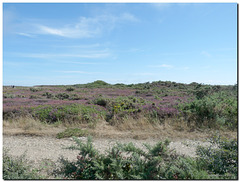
(216,110)
(62,96)
(48,95)
(16,168)
(220,158)
(101,101)
(127,162)
(67,113)
(69,132)
(69,89)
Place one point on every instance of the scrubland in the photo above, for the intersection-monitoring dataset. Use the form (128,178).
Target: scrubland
(156,110)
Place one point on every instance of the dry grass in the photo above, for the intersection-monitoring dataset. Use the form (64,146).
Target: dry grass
(28,126)
(128,128)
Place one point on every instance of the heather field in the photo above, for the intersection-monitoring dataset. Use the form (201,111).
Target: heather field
(158,110)
(196,105)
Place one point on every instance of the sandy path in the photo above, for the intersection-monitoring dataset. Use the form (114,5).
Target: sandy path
(38,148)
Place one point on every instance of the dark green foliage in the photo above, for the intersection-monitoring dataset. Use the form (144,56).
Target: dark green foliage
(48,95)
(101,101)
(69,132)
(220,158)
(215,110)
(62,96)
(69,113)
(16,168)
(125,161)
(69,89)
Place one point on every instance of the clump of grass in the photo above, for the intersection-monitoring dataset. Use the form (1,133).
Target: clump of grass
(26,123)
(69,132)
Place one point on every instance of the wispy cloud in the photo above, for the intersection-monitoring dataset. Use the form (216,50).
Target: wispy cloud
(47,30)
(82,55)
(161,66)
(26,34)
(84,27)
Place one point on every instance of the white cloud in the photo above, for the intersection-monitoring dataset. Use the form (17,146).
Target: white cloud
(90,55)
(48,30)
(26,34)
(85,27)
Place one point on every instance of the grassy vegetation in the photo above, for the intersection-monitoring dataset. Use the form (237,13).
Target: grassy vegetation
(125,107)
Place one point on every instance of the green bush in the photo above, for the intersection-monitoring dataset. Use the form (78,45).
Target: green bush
(62,96)
(48,95)
(69,113)
(16,169)
(69,89)
(220,158)
(216,110)
(125,161)
(101,101)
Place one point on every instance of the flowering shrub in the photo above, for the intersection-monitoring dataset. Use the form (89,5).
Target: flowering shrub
(199,105)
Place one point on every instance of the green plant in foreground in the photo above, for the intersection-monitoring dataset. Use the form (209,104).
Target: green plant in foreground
(220,158)
(15,169)
(126,161)
(69,132)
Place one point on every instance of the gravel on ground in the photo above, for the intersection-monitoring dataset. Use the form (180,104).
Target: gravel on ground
(37,149)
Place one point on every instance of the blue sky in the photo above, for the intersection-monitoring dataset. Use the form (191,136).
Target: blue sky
(61,43)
